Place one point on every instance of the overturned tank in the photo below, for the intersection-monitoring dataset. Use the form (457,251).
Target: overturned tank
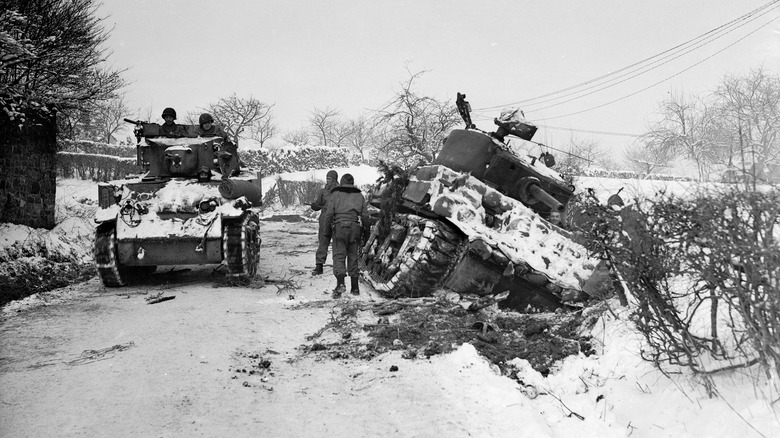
(475,221)
(192,204)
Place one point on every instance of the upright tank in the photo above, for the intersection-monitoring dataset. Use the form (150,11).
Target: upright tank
(476,221)
(191,205)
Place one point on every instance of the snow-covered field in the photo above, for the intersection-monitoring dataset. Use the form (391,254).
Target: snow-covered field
(611,394)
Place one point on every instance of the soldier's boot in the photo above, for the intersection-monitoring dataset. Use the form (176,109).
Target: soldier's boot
(355,289)
(340,287)
(317,269)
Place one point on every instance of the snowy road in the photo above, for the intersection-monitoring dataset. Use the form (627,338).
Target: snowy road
(226,361)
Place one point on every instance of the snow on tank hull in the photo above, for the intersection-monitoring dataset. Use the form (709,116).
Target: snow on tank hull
(457,232)
(177,220)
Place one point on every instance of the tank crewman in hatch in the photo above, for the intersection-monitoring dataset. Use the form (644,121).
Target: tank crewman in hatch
(347,215)
(324,234)
(207,128)
(169,128)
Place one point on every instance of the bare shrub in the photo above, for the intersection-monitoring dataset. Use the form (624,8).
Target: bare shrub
(292,193)
(703,273)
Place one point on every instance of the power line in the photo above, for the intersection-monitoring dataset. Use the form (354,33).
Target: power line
(672,53)
(588,131)
(630,77)
(667,78)
(616,134)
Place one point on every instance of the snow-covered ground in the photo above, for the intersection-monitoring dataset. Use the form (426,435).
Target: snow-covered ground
(610,394)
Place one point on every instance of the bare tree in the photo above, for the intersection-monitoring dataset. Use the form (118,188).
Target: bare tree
(749,116)
(296,137)
(324,123)
(687,125)
(583,153)
(108,117)
(341,133)
(147,114)
(96,121)
(52,56)
(236,115)
(648,157)
(362,136)
(606,162)
(413,126)
(263,130)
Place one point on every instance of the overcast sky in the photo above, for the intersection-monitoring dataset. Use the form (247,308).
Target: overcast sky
(352,55)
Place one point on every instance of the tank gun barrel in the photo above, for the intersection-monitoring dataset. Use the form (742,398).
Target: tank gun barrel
(541,195)
(530,191)
(134,122)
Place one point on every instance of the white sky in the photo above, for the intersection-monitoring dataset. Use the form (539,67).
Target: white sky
(352,55)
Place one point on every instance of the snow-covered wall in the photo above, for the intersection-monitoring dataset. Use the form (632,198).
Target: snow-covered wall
(84,159)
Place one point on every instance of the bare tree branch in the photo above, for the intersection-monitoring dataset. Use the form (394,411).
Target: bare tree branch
(413,126)
(53,56)
(236,115)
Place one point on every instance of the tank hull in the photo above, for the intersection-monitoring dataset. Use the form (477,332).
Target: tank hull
(496,238)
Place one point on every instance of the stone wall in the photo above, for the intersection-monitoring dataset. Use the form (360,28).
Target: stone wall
(28,176)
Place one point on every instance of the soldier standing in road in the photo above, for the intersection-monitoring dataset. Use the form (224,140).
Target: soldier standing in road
(347,215)
(324,234)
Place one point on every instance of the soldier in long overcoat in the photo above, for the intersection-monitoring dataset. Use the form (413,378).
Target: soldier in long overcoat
(324,234)
(347,215)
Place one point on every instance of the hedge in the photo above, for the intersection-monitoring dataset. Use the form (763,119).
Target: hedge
(102,162)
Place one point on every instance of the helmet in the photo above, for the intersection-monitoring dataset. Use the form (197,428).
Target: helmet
(205,118)
(169,112)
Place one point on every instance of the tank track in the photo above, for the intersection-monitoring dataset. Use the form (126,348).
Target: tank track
(111,272)
(241,242)
(413,259)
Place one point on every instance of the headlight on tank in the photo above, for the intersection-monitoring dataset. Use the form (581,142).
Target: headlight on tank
(208,205)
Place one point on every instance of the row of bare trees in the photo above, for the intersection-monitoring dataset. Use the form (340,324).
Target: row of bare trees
(407,130)
(735,126)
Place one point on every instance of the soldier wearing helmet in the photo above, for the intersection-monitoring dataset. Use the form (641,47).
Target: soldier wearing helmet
(169,128)
(347,216)
(207,127)
(230,161)
(324,234)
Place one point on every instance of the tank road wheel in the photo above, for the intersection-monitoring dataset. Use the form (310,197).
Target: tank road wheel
(414,257)
(111,272)
(241,245)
